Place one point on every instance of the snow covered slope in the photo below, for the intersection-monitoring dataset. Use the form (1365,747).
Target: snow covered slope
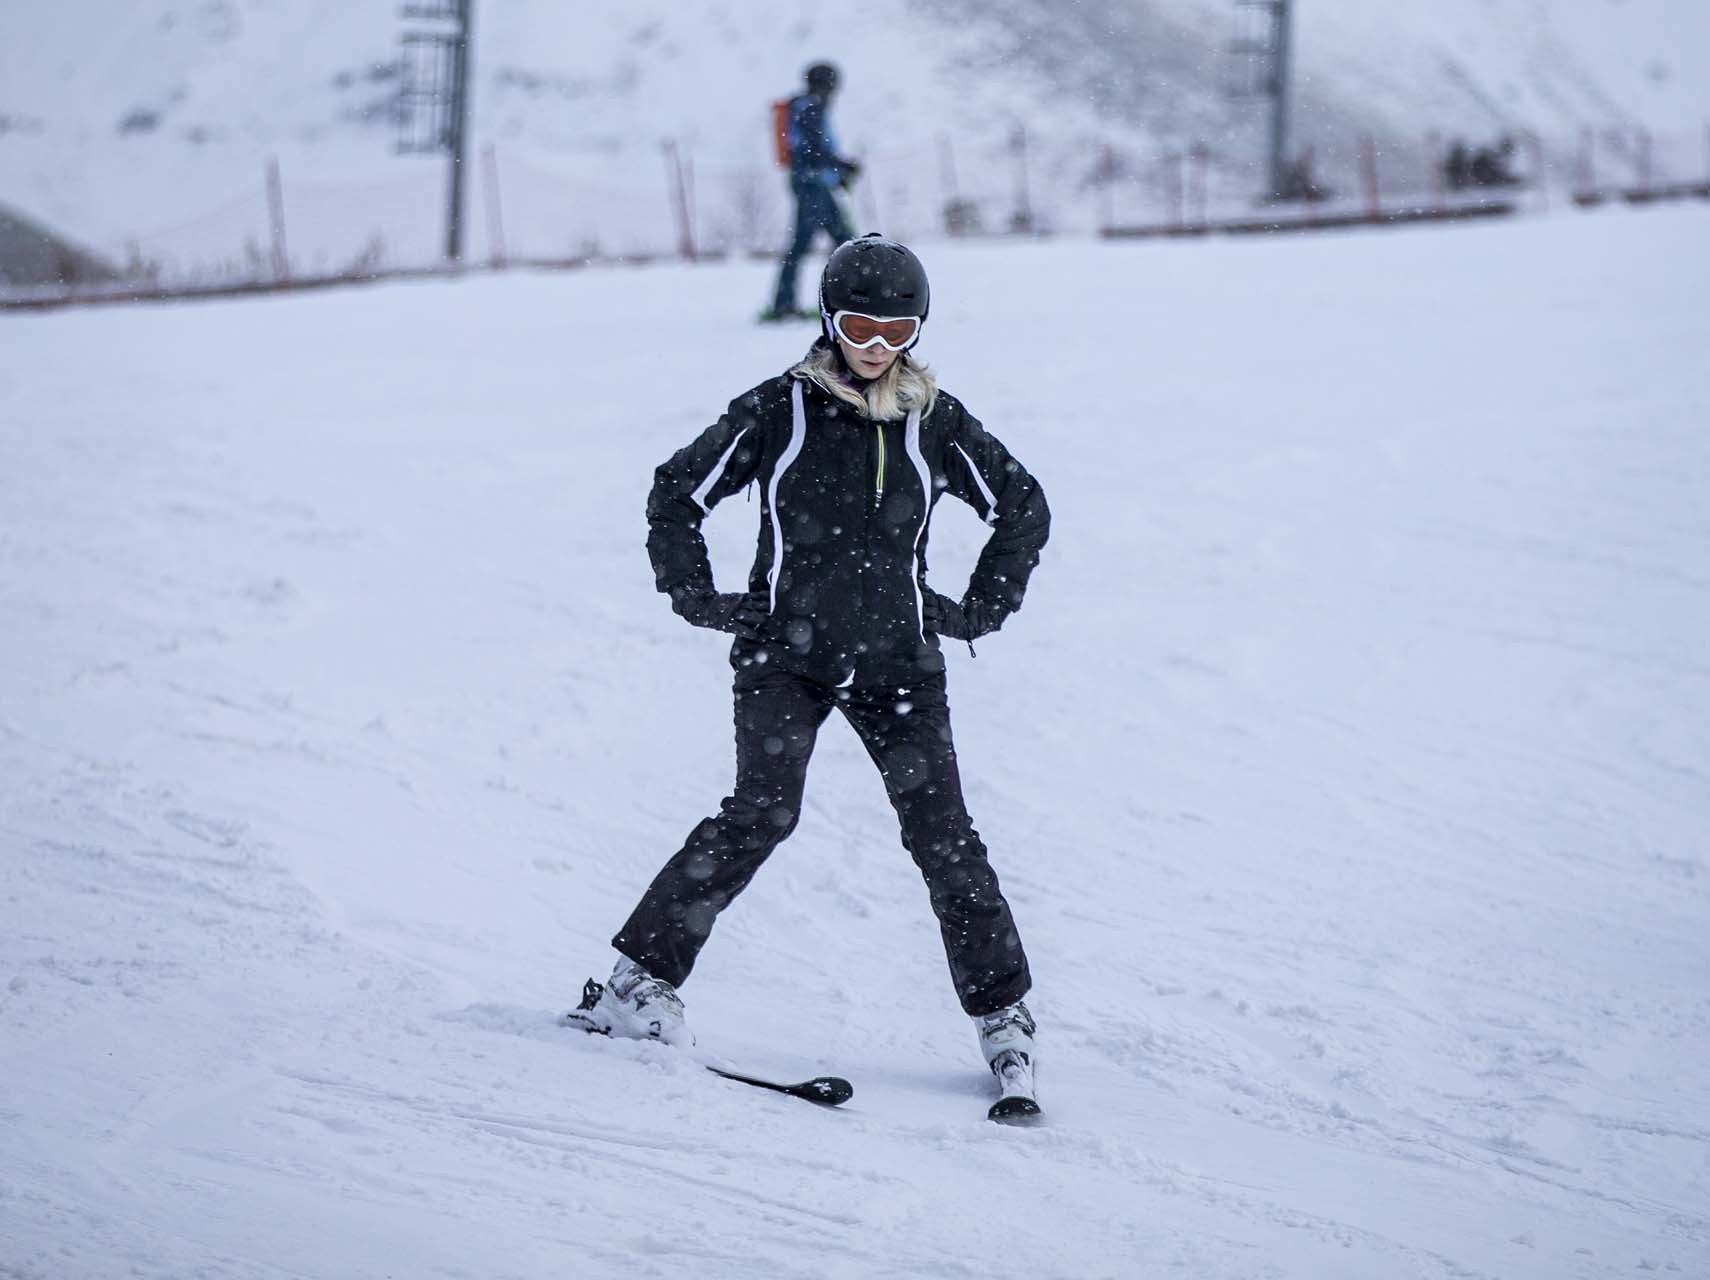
(1346,769)
(147,120)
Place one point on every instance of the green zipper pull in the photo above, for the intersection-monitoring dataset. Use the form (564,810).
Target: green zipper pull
(879,479)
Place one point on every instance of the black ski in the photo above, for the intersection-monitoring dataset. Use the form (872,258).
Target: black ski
(826,1091)
(1013,1110)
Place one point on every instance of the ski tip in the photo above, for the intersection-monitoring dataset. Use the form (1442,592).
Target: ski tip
(1014,1110)
(829,1091)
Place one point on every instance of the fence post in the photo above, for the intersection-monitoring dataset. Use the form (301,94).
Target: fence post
(1587,161)
(955,216)
(1173,187)
(1023,218)
(679,200)
(276,220)
(1201,155)
(1369,176)
(868,188)
(1107,183)
(1540,168)
(688,188)
(1617,142)
(1644,145)
(495,216)
(1434,167)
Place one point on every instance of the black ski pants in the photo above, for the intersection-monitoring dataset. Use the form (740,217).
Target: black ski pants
(816,210)
(906,729)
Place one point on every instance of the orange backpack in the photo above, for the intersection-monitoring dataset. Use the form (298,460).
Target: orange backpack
(781,132)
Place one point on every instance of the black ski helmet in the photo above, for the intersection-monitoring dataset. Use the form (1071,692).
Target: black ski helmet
(822,78)
(876,276)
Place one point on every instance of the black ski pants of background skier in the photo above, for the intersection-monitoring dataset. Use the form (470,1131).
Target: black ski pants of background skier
(816,210)
(906,730)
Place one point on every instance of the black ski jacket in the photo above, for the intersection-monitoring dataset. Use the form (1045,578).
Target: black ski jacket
(844,506)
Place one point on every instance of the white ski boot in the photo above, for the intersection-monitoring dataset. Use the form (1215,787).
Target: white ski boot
(632,1004)
(1006,1039)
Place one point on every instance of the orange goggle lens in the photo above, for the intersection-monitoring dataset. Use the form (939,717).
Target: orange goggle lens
(859,330)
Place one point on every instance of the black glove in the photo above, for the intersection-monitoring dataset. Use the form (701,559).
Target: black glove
(943,616)
(737,613)
(966,621)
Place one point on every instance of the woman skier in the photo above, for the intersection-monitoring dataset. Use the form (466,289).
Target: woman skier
(850,449)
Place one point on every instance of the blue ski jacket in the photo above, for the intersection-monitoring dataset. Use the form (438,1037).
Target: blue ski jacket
(814,158)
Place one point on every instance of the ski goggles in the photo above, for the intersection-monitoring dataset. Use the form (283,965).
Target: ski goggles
(861,331)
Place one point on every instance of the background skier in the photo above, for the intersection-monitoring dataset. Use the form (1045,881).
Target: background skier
(849,451)
(817,172)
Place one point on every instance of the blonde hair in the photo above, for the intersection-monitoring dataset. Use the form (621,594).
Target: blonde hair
(907,385)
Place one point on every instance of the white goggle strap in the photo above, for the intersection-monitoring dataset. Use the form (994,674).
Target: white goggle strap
(878,338)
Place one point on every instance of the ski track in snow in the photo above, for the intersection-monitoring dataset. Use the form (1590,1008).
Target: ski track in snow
(1346,770)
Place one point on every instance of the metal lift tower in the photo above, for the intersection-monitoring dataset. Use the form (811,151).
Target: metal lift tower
(434,101)
(1263,70)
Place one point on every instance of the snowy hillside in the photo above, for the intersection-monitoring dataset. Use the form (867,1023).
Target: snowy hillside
(1346,769)
(153,121)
